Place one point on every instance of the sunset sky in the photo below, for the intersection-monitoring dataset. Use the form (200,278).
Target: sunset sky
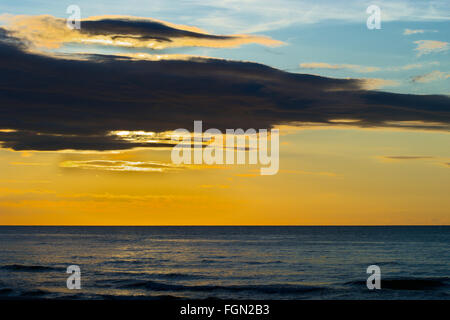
(364,115)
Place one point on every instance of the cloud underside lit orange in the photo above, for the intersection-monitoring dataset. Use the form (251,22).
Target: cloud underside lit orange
(123,31)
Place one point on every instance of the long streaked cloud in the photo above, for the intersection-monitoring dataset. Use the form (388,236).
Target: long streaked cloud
(324,65)
(376,83)
(48,103)
(363,69)
(368,83)
(49,32)
(430,46)
(79,139)
(400,158)
(431,76)
(408,157)
(412,66)
(120,165)
(27,197)
(409,32)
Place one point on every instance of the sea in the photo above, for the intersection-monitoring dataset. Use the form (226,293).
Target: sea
(273,263)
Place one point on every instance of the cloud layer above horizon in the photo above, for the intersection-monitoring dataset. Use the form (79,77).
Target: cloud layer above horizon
(49,102)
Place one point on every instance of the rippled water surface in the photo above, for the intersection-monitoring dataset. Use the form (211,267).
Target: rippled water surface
(225,262)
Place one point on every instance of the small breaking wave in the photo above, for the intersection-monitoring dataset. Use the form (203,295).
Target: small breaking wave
(146,298)
(178,276)
(409,283)
(266,289)
(135,262)
(27,268)
(383,263)
(263,262)
(209,261)
(34,293)
(6,291)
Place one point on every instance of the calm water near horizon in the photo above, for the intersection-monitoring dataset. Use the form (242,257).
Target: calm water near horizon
(225,262)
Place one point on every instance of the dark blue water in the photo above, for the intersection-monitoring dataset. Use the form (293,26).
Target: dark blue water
(225,262)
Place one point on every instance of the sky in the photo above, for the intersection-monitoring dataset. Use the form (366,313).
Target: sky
(363,113)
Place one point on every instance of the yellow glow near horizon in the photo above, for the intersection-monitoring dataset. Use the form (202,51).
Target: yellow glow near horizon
(332,176)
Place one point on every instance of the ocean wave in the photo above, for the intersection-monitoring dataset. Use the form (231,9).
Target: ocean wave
(34,293)
(143,297)
(125,278)
(27,268)
(177,276)
(218,257)
(145,261)
(213,261)
(263,262)
(409,283)
(208,261)
(382,263)
(267,289)
(6,291)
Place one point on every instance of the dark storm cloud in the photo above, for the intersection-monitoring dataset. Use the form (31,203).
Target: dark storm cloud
(74,104)
(46,31)
(141,29)
(32,140)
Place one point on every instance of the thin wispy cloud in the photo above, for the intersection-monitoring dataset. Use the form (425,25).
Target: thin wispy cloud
(249,16)
(431,76)
(26,196)
(413,158)
(375,83)
(364,69)
(430,46)
(409,32)
(110,197)
(408,157)
(20,163)
(324,65)
(121,166)
(412,66)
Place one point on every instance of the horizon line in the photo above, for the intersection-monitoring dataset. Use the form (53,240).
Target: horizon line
(243,225)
